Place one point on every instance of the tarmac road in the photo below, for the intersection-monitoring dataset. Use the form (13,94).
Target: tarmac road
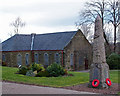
(14,88)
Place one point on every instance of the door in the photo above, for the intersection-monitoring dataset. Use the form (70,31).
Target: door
(86,63)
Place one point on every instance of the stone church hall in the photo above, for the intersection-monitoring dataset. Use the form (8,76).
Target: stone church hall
(70,49)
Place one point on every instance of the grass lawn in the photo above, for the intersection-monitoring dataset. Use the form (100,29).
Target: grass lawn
(8,73)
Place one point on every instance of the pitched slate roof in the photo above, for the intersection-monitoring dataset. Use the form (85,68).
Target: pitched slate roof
(50,41)
(17,42)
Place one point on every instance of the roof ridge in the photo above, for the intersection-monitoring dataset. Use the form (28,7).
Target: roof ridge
(57,32)
(22,34)
(48,33)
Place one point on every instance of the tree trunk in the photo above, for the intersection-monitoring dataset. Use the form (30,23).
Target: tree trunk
(115,26)
(104,35)
(114,38)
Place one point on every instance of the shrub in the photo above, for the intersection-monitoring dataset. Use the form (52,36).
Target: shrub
(114,61)
(66,72)
(36,67)
(35,72)
(42,74)
(22,70)
(55,70)
(30,73)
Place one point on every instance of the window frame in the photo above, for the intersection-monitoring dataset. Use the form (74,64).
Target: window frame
(36,59)
(27,59)
(3,59)
(47,55)
(19,61)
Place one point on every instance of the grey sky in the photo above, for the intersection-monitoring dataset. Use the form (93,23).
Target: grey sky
(41,16)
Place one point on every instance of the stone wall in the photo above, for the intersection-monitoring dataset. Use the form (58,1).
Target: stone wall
(51,55)
(81,49)
(11,57)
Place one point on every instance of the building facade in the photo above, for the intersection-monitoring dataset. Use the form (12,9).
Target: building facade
(70,49)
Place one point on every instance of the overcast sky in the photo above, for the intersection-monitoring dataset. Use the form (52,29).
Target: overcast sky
(40,16)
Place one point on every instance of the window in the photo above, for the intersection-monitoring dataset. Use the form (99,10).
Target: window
(3,57)
(71,59)
(80,61)
(57,58)
(27,59)
(46,59)
(36,58)
(19,59)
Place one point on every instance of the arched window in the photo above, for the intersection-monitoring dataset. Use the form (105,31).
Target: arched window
(19,59)
(71,59)
(27,59)
(46,59)
(57,58)
(36,58)
(3,57)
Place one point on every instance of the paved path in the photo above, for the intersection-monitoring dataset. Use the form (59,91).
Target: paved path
(13,88)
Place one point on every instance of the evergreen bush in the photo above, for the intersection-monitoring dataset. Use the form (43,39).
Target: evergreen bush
(114,61)
(55,70)
(42,74)
(22,70)
(36,67)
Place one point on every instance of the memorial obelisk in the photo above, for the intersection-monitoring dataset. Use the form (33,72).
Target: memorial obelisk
(99,69)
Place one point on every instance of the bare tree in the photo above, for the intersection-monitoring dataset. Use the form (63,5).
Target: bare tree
(90,38)
(10,34)
(85,29)
(113,17)
(92,9)
(17,24)
(108,11)
(118,34)
(108,31)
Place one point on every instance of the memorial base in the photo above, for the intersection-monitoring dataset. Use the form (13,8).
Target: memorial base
(101,73)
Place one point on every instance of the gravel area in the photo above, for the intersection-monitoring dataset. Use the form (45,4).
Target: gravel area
(114,89)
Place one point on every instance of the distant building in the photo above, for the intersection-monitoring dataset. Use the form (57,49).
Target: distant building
(70,49)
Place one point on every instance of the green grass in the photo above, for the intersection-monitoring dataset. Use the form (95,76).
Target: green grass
(114,76)
(118,93)
(8,74)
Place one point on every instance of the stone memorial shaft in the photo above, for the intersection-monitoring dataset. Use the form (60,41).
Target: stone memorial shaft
(99,69)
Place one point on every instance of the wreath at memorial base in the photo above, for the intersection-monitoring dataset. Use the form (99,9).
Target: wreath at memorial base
(95,83)
(108,82)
